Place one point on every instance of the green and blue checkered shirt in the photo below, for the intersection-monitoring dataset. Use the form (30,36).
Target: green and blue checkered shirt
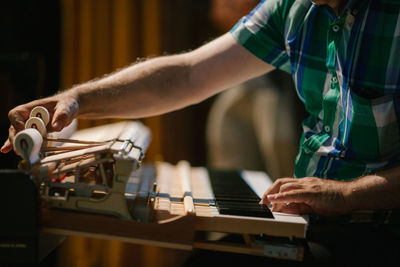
(346,69)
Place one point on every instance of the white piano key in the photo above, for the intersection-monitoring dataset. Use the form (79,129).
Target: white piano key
(201,187)
(258,181)
(184,173)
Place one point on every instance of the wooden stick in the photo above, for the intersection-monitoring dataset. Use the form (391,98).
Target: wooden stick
(66,148)
(63,140)
(184,173)
(52,153)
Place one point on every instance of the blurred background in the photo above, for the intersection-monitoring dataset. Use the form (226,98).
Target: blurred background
(50,45)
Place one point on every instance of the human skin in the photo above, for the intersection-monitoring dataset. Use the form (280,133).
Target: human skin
(327,197)
(168,83)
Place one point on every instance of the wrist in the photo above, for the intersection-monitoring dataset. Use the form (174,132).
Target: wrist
(365,192)
(350,198)
(74,97)
(354,195)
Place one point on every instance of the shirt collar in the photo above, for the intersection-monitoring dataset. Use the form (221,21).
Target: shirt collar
(353,5)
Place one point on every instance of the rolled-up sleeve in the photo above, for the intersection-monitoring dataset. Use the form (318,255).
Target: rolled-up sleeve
(262,33)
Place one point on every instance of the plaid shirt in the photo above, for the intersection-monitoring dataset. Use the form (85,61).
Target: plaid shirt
(346,70)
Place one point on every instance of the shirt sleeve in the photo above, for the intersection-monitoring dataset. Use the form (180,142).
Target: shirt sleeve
(262,33)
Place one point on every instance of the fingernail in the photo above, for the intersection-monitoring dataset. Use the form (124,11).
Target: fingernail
(271,196)
(56,125)
(3,149)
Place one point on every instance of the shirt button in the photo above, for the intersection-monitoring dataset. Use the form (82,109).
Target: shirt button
(334,80)
(335,28)
(327,128)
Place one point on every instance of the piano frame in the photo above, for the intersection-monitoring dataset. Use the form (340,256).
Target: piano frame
(181,232)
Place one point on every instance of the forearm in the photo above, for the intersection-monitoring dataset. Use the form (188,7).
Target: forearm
(168,83)
(149,88)
(379,191)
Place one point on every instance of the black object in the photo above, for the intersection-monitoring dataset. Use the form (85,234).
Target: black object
(233,196)
(21,241)
(19,221)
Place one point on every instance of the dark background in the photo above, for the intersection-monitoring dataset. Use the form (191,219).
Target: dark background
(29,57)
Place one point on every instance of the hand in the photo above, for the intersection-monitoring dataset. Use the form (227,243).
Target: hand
(63,108)
(308,195)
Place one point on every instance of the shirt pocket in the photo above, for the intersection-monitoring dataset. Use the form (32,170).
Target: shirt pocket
(373,134)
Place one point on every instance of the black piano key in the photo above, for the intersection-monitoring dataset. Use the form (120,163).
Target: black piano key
(237,204)
(233,196)
(262,212)
(237,199)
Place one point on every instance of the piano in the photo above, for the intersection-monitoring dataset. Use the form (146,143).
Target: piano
(93,184)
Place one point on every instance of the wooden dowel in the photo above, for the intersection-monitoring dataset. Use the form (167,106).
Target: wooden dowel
(63,140)
(184,173)
(66,148)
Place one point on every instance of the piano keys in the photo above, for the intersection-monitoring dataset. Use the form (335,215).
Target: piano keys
(233,196)
(214,208)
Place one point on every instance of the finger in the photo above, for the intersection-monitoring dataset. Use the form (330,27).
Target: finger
(277,207)
(64,114)
(17,118)
(264,200)
(284,188)
(296,196)
(11,136)
(7,147)
(283,207)
(277,184)
(274,188)
(60,119)
(294,185)
(297,208)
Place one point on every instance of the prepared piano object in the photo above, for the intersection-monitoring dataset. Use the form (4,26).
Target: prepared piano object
(88,171)
(90,184)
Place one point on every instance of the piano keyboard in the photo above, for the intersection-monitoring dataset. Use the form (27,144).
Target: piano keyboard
(214,192)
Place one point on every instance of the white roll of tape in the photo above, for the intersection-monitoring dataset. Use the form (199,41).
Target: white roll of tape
(42,113)
(37,124)
(28,143)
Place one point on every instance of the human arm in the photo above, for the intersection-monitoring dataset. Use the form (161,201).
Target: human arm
(152,87)
(327,197)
